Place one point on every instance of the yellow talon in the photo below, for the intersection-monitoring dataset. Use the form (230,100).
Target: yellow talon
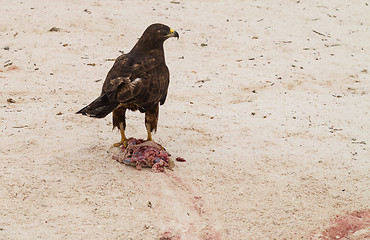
(124,143)
(123,138)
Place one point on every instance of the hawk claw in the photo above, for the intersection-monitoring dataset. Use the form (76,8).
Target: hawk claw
(124,143)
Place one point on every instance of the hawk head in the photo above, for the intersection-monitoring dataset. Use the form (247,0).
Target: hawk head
(155,35)
(160,31)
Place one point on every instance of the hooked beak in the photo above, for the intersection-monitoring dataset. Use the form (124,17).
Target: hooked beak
(173,33)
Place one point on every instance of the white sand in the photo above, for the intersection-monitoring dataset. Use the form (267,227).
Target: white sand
(272,118)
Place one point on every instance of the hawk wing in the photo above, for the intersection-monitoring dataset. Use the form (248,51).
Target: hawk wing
(122,84)
(124,79)
(126,69)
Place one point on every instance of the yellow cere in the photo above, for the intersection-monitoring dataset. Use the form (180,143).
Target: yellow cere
(171,30)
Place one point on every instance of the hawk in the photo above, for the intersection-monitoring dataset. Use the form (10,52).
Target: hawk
(138,80)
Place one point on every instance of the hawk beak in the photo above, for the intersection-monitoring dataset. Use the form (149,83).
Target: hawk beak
(173,33)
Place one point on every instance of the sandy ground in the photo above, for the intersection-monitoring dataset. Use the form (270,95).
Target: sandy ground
(268,103)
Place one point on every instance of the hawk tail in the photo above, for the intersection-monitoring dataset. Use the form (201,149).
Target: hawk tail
(99,108)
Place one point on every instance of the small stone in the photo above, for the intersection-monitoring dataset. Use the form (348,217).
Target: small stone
(8,63)
(6,48)
(54,29)
(180,159)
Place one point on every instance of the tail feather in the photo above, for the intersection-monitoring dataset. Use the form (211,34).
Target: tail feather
(100,107)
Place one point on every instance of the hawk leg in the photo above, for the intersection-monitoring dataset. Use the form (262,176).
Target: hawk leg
(119,121)
(151,120)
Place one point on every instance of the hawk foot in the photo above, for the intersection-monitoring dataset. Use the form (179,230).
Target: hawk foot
(124,143)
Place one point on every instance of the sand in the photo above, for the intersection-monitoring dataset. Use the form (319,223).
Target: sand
(268,103)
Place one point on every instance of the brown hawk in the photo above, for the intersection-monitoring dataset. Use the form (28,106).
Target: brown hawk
(138,80)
